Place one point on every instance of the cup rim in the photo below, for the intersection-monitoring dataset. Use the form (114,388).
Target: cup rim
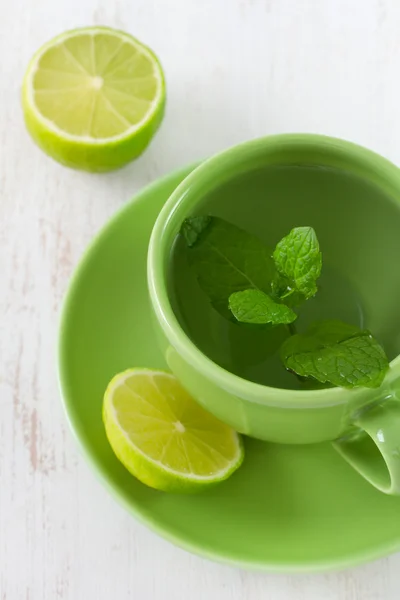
(181,201)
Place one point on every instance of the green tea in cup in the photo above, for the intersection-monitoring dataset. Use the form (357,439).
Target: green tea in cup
(303,347)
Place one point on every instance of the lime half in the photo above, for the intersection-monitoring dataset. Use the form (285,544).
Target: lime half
(93,98)
(163,437)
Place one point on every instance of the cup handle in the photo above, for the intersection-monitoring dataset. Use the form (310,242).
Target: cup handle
(375,450)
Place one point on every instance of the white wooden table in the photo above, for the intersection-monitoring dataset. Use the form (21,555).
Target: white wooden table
(235,70)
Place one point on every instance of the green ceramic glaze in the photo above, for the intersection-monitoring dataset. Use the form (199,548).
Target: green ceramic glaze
(288,508)
(297,416)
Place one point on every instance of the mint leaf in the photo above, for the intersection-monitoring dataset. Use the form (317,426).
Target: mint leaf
(254,306)
(192,228)
(226,259)
(337,353)
(298,261)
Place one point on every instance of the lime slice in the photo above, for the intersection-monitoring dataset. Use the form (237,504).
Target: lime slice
(93,98)
(163,437)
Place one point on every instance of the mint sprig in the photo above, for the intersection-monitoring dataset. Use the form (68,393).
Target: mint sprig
(297,259)
(243,281)
(336,353)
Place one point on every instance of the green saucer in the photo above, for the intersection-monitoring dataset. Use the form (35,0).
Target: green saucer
(290,508)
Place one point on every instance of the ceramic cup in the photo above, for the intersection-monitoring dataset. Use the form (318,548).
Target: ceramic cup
(363,424)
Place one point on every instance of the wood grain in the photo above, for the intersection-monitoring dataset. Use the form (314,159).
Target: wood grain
(235,70)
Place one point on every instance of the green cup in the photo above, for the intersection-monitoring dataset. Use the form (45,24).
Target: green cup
(363,424)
